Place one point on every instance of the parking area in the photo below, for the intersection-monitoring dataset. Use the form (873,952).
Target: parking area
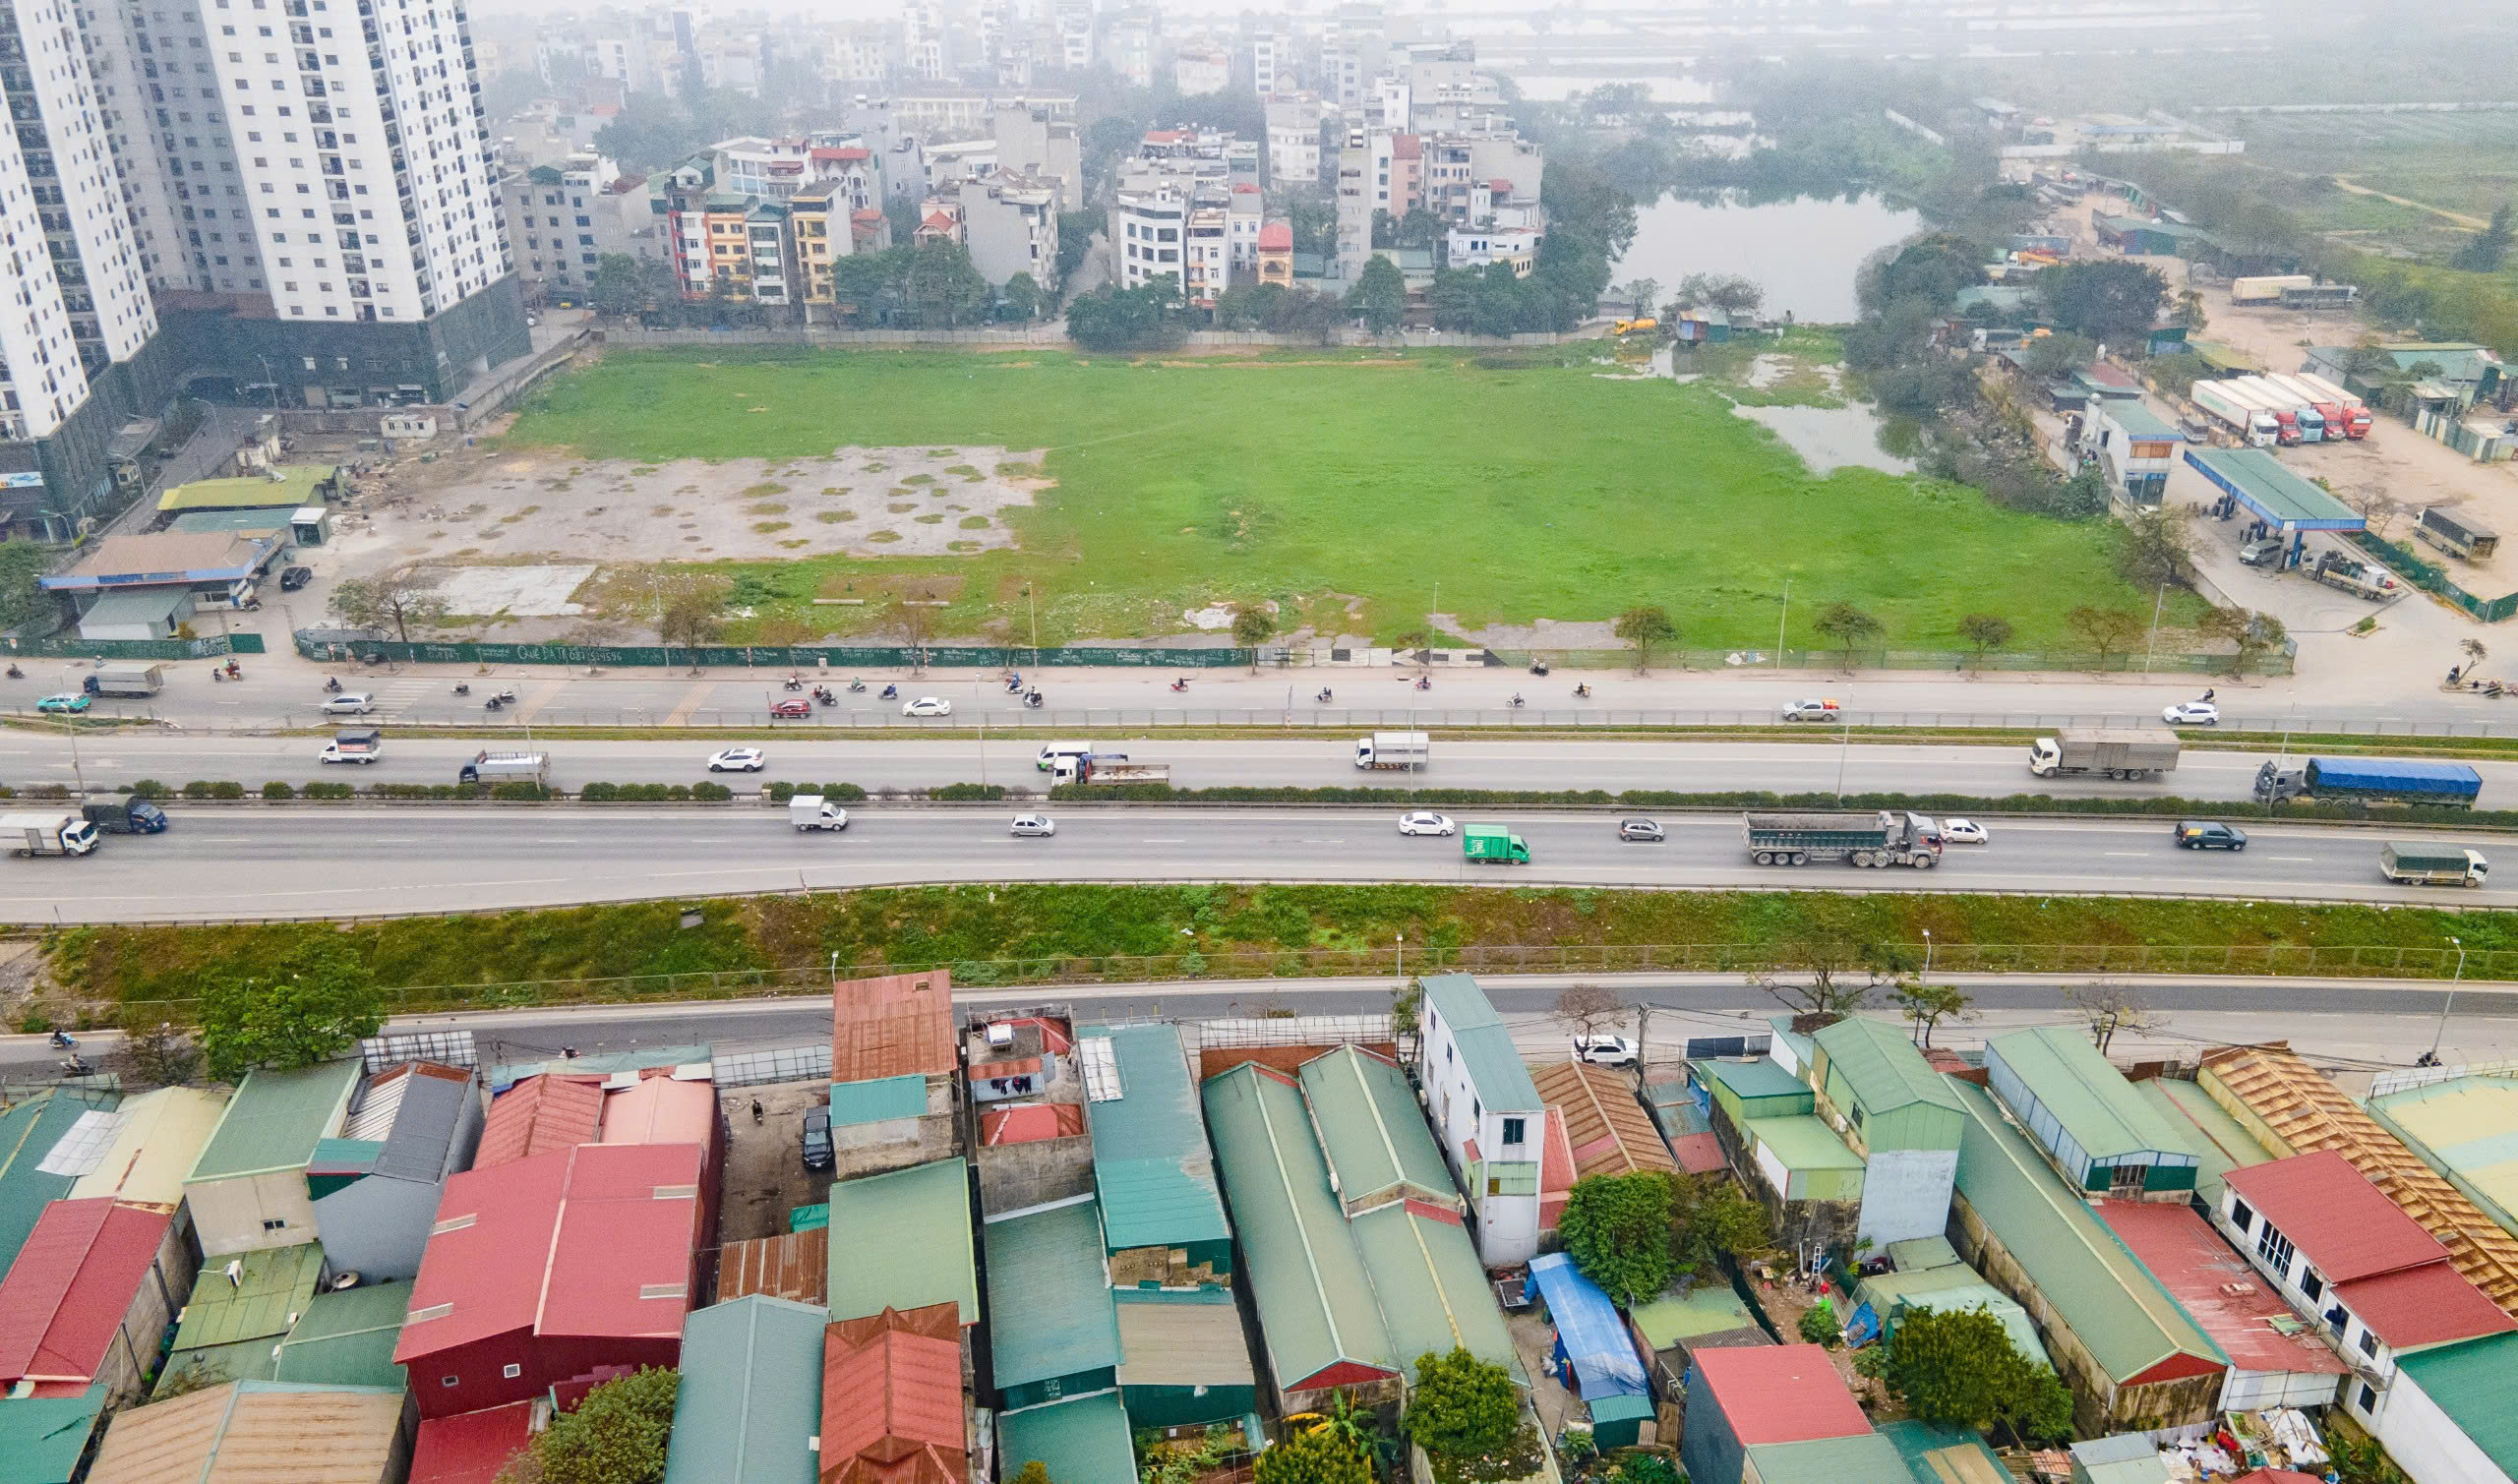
(765,1177)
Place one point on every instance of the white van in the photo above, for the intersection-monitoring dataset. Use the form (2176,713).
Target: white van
(1050,753)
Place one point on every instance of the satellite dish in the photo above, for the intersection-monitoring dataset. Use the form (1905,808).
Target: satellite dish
(341,1281)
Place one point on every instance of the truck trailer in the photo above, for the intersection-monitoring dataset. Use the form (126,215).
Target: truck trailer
(2267,288)
(1394,749)
(2371,780)
(1892,837)
(2429,864)
(1109,768)
(125,679)
(2329,412)
(2355,413)
(2458,534)
(2126,752)
(51,832)
(2361,579)
(2284,402)
(2286,418)
(2253,426)
(1493,845)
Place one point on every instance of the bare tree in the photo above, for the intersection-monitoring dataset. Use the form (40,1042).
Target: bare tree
(2105,630)
(2108,1008)
(690,615)
(1928,1005)
(1589,1009)
(914,621)
(162,1056)
(1829,959)
(396,599)
(2376,507)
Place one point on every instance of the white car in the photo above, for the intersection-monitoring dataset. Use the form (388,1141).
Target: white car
(2191,714)
(1426,822)
(1963,832)
(1035,824)
(1604,1051)
(927,705)
(738,760)
(350,703)
(1815,709)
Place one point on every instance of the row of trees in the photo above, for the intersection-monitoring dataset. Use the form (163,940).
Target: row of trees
(930,286)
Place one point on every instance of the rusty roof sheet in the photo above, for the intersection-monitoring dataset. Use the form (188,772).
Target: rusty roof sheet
(892,1408)
(1032,1123)
(795,1266)
(2304,1112)
(899,1025)
(247,1432)
(538,1115)
(1611,1133)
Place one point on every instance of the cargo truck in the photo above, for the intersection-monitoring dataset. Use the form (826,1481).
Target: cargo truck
(125,816)
(2282,401)
(2127,752)
(1892,837)
(363,744)
(1394,749)
(2329,413)
(2459,535)
(1109,768)
(2266,288)
(52,832)
(2361,579)
(506,767)
(2253,426)
(813,811)
(2244,391)
(2356,413)
(2427,865)
(1493,845)
(2373,780)
(125,679)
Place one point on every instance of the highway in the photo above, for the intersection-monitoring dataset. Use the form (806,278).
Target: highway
(250,861)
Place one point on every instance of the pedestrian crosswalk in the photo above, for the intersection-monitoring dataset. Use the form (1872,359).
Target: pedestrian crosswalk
(397,696)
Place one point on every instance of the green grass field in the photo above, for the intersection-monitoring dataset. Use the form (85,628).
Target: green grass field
(1350,488)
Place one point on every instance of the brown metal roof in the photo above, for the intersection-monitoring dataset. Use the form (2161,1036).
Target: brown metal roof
(2280,1096)
(892,1407)
(251,1432)
(796,1266)
(1609,1130)
(900,1025)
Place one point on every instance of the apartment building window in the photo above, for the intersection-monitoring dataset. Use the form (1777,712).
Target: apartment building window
(2368,1344)
(1512,1128)
(2275,1248)
(2242,1216)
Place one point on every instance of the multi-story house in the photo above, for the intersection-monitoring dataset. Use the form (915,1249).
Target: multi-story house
(1242,215)
(1073,26)
(1481,247)
(1150,228)
(1010,224)
(1487,1115)
(1294,140)
(562,220)
(862,52)
(1272,68)
(1207,258)
(1031,139)
(1356,195)
(1128,44)
(1201,68)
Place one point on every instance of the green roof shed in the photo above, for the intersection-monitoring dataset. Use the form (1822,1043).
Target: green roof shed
(1053,1329)
(1152,1164)
(346,1338)
(1081,1442)
(903,1241)
(1747,1090)
(749,1408)
(1876,1080)
(1379,1146)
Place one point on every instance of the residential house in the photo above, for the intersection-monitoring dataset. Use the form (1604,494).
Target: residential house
(82,1311)
(1778,1414)
(1785,1154)
(1010,224)
(1035,142)
(248,1431)
(1874,1089)
(893,1073)
(1244,210)
(1054,1340)
(2104,1137)
(2466,1128)
(376,1184)
(29,1130)
(1149,231)
(893,1409)
(540,1114)
(157,1136)
(1487,1115)
(903,1241)
(1032,1149)
(1682,1113)
(2450,1405)
(2268,1367)
(1480,248)
(1925,1273)
(1592,1356)
(1596,1126)
(749,1408)
(346,1336)
(1294,140)
(562,218)
(1276,255)
(1671,1329)
(2135,447)
(250,1189)
(241,1308)
(2220,1142)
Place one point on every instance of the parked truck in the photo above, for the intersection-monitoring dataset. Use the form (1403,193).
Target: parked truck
(506,767)
(2328,412)
(2361,579)
(2126,752)
(2283,402)
(2267,288)
(2355,413)
(1394,749)
(1892,837)
(2371,780)
(357,744)
(125,679)
(1493,845)
(2253,426)
(2244,391)
(813,811)
(2458,534)
(2432,865)
(50,832)
(1108,768)
(125,815)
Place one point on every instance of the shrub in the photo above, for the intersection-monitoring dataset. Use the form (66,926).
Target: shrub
(329,790)
(148,788)
(713,792)
(836,792)
(279,791)
(519,792)
(49,790)
(969,792)
(227,791)
(198,788)
(1819,1326)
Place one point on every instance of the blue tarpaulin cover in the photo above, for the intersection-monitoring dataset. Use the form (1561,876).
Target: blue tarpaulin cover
(2454,780)
(1589,1337)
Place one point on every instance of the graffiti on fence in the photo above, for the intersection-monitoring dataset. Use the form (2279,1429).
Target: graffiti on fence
(139,650)
(330,646)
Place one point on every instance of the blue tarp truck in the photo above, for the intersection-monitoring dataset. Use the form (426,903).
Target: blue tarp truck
(2373,780)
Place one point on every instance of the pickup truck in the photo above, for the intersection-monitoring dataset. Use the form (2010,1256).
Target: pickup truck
(2126,752)
(363,744)
(2373,780)
(125,816)
(1494,845)
(1892,837)
(1816,710)
(2432,864)
(53,832)
(813,811)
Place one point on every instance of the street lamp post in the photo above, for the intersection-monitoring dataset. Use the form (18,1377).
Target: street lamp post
(2450,1003)
(2153,641)
(1779,622)
(76,771)
(1402,959)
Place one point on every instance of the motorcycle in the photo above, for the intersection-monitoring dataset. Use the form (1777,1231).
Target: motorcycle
(508,695)
(1538,667)
(233,673)
(1424,683)
(16,674)
(1032,699)
(75,1066)
(462,688)
(333,684)
(1013,683)
(62,1041)
(218,673)
(822,695)
(1323,697)
(891,693)
(1517,700)
(1179,685)
(854,686)
(1583,692)
(2427,1059)
(794,683)
(493,703)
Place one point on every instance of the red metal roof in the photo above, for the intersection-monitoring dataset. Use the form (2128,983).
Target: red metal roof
(538,1115)
(841,153)
(470,1447)
(1277,237)
(1780,1394)
(1406,147)
(70,1290)
(2426,1305)
(898,1026)
(1032,1123)
(2335,1216)
(661,1110)
(1698,1153)
(994,1071)
(1555,1157)
(2216,1286)
(892,1399)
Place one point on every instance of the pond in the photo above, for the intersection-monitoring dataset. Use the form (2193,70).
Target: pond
(1830,439)
(1804,251)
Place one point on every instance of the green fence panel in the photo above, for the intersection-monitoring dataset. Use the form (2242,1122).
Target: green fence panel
(319,646)
(76,649)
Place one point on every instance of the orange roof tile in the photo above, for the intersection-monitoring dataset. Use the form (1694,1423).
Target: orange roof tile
(900,1025)
(892,1399)
(1609,1130)
(538,1115)
(1032,1123)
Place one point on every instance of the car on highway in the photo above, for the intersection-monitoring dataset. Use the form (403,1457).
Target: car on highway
(1425,822)
(68,700)
(793,706)
(2207,835)
(1604,1051)
(1817,709)
(350,703)
(1649,831)
(294,577)
(738,760)
(1956,831)
(927,705)
(1035,824)
(817,1151)
(2191,714)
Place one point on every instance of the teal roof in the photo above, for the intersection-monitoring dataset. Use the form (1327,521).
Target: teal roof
(2140,421)
(1803,1141)
(41,1438)
(343,1155)
(1081,1442)
(2221,1143)
(1048,1295)
(275,1120)
(1151,1162)
(1376,1139)
(214,1365)
(1486,1045)
(750,1401)
(2085,1093)
(346,1338)
(878,1099)
(1432,1291)
(1943,1454)
(272,1290)
(1882,1065)
(1709,1308)
(1947,1291)
(1752,1079)
(1827,1460)
(903,1241)
(29,1130)
(2283,494)
(2470,1382)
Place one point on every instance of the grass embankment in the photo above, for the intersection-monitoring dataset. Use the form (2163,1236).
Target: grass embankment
(1007,934)
(1348,487)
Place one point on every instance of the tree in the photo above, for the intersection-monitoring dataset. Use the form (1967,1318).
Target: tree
(1984,631)
(1928,1005)
(1959,1368)
(1497,305)
(2489,248)
(2054,355)
(1587,1009)
(1076,231)
(1713,1217)
(1033,1471)
(162,1056)
(1617,1230)
(1313,1455)
(687,614)
(1464,1413)
(620,286)
(2260,636)
(2150,549)
(1022,299)
(914,619)
(1645,626)
(2111,300)
(943,287)
(1452,299)
(22,600)
(1850,627)
(2105,630)
(2108,1008)
(1252,623)
(313,1001)
(1380,295)
(1931,269)
(1727,292)
(2190,311)
(617,1435)
(1824,955)
(1132,318)
(396,600)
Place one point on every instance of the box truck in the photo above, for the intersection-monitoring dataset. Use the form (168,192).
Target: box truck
(1493,845)
(2458,534)
(2253,425)
(52,832)
(125,679)
(813,811)
(505,768)
(2266,288)
(2127,752)
(2429,864)
(1394,749)
(361,744)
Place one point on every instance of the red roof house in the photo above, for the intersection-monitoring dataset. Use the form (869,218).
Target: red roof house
(1766,1401)
(662,1109)
(547,1267)
(538,1115)
(892,1399)
(2230,1302)
(89,1297)
(471,1448)
(1277,237)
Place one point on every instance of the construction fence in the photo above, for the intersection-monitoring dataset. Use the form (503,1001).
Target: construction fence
(74,648)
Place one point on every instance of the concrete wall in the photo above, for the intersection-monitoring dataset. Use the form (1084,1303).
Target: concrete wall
(1013,1177)
(163,1290)
(1905,1193)
(229,1214)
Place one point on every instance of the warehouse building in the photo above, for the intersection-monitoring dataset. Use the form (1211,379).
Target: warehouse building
(2104,1137)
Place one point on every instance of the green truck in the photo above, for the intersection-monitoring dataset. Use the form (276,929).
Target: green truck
(2428,864)
(1493,843)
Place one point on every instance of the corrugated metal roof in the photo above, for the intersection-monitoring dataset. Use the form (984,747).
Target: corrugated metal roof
(1779,1393)
(895,1025)
(1944,1456)
(1151,1161)
(2217,1288)
(903,1241)
(1803,1141)
(43,1437)
(795,1266)
(2330,1212)
(276,1119)
(2221,1143)
(470,1447)
(892,1404)
(270,1289)
(1432,1291)
(423,1132)
(2467,1129)
(1748,1079)
(1882,1065)
(1080,1442)
(2470,1383)
(29,1130)
(1378,1145)
(1173,1341)
(1486,1047)
(1827,1460)
(1048,1295)
(346,1338)
(1609,1132)
(1032,1123)
(878,1101)
(1588,1332)
(2084,1093)
(66,1295)
(1943,1289)
(538,1115)
(661,1110)
(750,1401)
(249,1432)
(1709,1308)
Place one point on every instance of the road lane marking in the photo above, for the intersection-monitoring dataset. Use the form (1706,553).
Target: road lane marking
(2136,855)
(1183,841)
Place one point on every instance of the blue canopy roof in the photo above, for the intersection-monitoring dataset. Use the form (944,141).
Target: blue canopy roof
(1588,1336)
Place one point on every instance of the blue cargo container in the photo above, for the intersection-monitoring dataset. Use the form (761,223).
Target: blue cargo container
(2451,785)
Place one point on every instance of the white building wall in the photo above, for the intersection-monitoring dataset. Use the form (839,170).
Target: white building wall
(1505,1225)
(1905,1193)
(2427,1445)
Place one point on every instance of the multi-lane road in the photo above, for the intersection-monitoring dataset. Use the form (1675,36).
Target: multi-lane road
(324,860)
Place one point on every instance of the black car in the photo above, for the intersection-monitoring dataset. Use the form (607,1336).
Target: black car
(818,1151)
(295,577)
(2203,835)
(1640,829)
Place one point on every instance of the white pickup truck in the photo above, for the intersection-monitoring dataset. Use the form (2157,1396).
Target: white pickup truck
(365,744)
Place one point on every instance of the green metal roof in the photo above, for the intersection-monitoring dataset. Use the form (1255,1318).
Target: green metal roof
(1081,1442)
(296,487)
(2092,1283)
(878,1099)
(255,522)
(2221,1143)
(1752,1079)
(28,1129)
(216,1365)
(2285,497)
(1882,1065)
(271,1290)
(1803,1141)
(2470,1382)
(1946,1290)
(1048,1295)
(1943,1454)
(147,605)
(903,1241)
(1370,1127)
(2140,421)
(1433,1292)
(1486,1045)
(1151,1162)
(750,1401)
(2086,1093)
(346,1338)
(1709,1308)
(1827,1460)
(275,1120)
(41,1438)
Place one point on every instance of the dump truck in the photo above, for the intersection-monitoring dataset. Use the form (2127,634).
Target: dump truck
(125,816)
(1394,749)
(125,679)
(813,811)
(1493,845)
(2361,579)
(2253,425)
(1892,837)
(2427,864)
(2127,752)
(359,744)
(505,768)
(51,832)
(1109,768)
(2459,534)
(2371,780)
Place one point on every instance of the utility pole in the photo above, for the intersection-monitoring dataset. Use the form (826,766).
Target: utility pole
(1780,624)
(2452,1002)
(2154,642)
(1643,1029)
